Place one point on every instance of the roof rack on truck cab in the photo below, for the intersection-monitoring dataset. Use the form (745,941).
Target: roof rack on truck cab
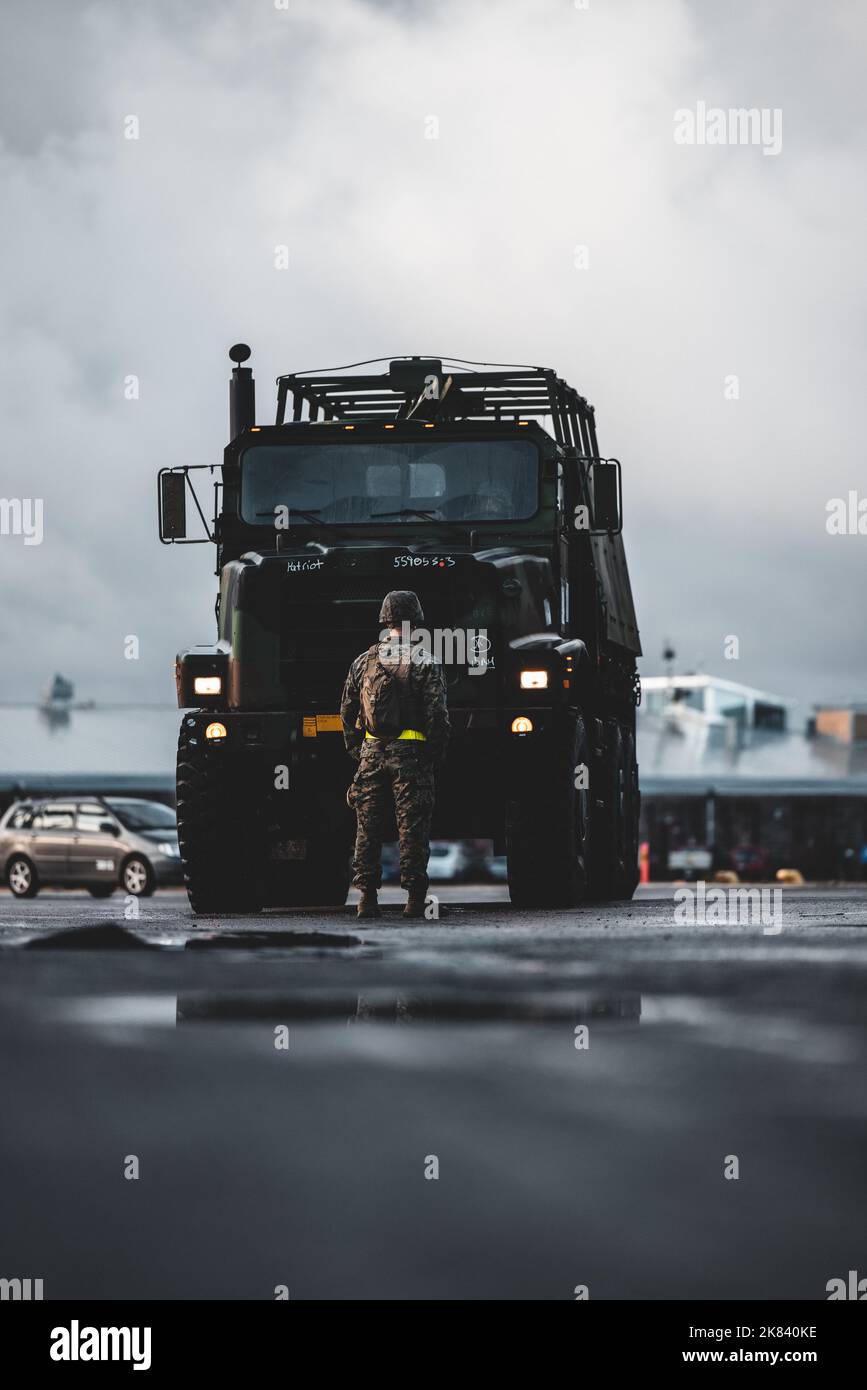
(430,389)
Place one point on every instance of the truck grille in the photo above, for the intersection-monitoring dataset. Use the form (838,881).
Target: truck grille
(325,626)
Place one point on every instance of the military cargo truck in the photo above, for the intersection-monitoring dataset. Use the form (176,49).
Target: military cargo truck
(482,489)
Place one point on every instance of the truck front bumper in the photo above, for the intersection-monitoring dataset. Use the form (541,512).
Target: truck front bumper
(304,752)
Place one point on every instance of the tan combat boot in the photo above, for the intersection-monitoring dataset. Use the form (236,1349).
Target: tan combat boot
(369,904)
(415,904)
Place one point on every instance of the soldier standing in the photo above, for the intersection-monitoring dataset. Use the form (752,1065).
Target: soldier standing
(396,726)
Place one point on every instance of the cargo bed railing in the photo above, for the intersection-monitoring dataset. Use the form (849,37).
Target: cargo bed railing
(462,392)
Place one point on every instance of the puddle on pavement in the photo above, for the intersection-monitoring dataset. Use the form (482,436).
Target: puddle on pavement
(380,1005)
(100,936)
(269,941)
(319,976)
(119,1010)
(718,1023)
(756,1029)
(374,1006)
(112,936)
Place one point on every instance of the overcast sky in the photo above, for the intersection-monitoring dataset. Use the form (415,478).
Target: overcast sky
(305,126)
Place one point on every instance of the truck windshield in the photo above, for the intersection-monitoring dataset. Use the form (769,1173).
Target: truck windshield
(447,480)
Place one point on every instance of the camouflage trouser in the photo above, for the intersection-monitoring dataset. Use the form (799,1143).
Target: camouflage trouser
(398,769)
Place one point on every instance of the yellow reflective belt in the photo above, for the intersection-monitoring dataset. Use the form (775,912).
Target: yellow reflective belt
(407,733)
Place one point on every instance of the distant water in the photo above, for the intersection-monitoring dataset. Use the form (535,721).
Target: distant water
(40,742)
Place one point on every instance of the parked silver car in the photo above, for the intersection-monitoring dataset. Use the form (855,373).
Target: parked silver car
(98,843)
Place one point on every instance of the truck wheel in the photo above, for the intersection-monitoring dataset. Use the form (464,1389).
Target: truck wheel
(614,861)
(21,877)
(548,826)
(218,818)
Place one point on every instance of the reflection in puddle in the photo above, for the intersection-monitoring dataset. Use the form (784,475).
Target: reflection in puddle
(720,1024)
(391,1006)
(374,1006)
(271,941)
(120,1010)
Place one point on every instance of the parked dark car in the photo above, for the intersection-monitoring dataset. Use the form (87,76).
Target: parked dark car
(89,842)
(750,862)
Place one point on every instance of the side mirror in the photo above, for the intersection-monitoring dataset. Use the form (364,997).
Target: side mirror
(173,506)
(108,827)
(607,496)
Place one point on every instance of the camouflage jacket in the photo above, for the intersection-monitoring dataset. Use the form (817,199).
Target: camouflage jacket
(428,686)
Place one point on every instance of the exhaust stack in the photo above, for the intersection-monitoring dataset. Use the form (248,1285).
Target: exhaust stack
(242,393)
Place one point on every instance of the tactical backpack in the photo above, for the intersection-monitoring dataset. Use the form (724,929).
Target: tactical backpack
(388,702)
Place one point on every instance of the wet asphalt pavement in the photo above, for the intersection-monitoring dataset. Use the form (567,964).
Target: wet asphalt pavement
(412,1046)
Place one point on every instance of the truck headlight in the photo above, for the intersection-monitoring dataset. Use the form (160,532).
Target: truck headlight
(534,680)
(208,685)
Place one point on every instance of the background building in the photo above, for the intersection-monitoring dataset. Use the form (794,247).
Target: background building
(728,782)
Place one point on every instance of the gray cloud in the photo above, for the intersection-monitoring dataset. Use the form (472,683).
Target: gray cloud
(306,127)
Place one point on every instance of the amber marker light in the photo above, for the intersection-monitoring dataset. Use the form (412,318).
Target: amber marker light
(215,731)
(522,725)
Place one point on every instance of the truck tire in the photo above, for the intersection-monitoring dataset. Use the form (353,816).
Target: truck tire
(218,820)
(614,861)
(548,826)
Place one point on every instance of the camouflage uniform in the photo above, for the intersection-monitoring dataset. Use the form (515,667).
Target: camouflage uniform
(402,769)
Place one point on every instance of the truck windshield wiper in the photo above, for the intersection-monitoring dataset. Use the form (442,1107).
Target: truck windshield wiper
(425,516)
